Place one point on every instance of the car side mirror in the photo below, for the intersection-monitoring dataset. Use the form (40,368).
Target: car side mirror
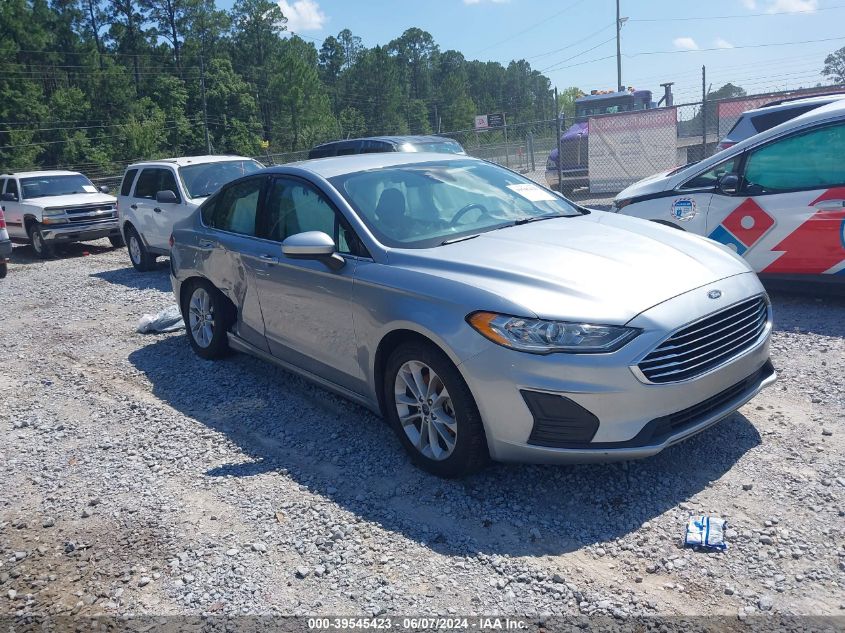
(166,197)
(105,189)
(728,184)
(9,197)
(313,245)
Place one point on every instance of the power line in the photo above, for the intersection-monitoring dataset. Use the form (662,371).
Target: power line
(734,16)
(530,28)
(563,61)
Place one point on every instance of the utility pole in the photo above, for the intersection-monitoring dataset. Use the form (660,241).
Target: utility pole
(703,113)
(559,153)
(618,50)
(204,107)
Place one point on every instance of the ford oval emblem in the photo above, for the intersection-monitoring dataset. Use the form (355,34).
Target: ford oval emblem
(714,294)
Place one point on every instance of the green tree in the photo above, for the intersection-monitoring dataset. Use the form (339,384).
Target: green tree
(834,66)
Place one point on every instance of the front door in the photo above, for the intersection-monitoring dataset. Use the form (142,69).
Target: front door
(14,211)
(789,214)
(306,305)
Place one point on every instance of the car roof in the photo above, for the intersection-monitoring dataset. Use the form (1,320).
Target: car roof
(31,174)
(183,161)
(412,138)
(342,165)
(799,102)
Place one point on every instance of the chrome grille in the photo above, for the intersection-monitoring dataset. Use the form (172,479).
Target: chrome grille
(91,213)
(707,343)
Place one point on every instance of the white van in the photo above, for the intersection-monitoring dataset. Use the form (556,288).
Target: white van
(156,194)
(777,198)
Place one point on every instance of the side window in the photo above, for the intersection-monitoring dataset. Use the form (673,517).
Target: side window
(235,208)
(347,148)
(708,179)
(168,183)
(768,120)
(812,160)
(294,206)
(2,184)
(126,185)
(147,185)
(12,187)
(375,147)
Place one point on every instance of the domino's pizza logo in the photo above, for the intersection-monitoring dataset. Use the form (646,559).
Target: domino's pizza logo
(744,227)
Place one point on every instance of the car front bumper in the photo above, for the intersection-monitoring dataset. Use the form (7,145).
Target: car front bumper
(631,415)
(80,232)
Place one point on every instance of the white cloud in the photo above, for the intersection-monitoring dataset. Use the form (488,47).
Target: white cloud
(722,43)
(480,1)
(749,4)
(303,15)
(685,43)
(792,6)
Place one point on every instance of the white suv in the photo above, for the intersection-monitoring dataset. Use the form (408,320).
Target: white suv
(156,194)
(52,207)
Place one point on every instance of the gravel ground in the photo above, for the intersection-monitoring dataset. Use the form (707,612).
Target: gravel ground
(137,478)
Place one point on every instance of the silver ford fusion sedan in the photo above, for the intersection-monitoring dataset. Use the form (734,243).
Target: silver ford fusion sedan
(482,315)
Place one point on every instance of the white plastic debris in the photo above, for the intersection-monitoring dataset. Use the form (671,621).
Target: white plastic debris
(707,532)
(168,320)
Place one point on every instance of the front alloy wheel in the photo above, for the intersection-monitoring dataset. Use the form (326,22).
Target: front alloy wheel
(425,410)
(432,411)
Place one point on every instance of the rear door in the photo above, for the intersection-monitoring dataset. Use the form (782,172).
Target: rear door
(233,252)
(788,215)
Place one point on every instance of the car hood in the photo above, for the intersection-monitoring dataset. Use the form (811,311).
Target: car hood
(70,200)
(600,267)
(653,184)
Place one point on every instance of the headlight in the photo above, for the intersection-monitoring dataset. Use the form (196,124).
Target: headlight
(544,337)
(51,213)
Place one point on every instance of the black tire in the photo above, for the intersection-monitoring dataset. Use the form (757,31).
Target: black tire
(470,452)
(4,269)
(140,257)
(40,246)
(221,314)
(117,241)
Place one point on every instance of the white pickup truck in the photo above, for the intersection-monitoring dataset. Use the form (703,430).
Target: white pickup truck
(47,208)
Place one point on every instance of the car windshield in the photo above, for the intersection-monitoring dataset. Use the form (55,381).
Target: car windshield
(44,186)
(203,179)
(428,204)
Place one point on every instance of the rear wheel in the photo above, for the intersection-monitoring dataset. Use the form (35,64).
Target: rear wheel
(42,247)
(208,317)
(141,258)
(431,409)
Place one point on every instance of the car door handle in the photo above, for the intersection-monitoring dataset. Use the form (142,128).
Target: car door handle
(133,206)
(830,204)
(269,259)
(206,243)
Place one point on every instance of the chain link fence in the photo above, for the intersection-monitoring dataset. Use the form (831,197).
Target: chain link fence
(600,155)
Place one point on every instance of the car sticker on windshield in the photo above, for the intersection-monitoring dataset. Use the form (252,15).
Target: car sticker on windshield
(89,188)
(531,192)
(684,209)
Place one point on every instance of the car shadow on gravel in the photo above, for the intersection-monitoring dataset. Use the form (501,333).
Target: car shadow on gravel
(287,426)
(158,279)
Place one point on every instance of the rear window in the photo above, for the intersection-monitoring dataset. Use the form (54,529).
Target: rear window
(128,179)
(767,121)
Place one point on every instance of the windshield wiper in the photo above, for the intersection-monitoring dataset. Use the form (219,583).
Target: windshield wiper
(537,218)
(458,239)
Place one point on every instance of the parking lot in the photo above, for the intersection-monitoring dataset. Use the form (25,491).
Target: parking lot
(138,478)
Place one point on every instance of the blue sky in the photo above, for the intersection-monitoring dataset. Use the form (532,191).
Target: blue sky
(566,39)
